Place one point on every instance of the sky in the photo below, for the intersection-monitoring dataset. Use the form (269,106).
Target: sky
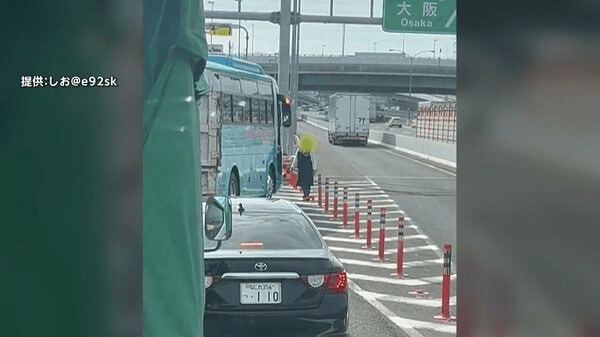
(326,39)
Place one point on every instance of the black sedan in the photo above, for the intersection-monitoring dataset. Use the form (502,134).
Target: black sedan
(275,276)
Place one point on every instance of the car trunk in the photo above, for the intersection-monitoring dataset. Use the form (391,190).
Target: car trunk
(225,294)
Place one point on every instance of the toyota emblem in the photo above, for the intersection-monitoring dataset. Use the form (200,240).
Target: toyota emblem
(260,266)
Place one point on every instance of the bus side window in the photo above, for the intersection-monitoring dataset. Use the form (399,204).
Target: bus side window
(230,85)
(238,109)
(256,111)
(249,88)
(270,112)
(227,108)
(246,107)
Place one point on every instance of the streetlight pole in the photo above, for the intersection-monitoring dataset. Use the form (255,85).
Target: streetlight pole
(403,36)
(410,78)
(239,24)
(374,45)
(323,50)
(252,39)
(343,38)
(247,37)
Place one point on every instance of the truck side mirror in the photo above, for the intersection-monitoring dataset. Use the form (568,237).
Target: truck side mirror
(217,219)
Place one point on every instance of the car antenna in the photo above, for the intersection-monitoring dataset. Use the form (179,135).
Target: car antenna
(241,208)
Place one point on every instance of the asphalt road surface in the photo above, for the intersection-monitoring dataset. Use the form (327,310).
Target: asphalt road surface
(382,304)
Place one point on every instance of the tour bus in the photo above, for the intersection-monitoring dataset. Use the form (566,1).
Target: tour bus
(240,128)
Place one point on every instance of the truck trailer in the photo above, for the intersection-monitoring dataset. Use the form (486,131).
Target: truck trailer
(348,118)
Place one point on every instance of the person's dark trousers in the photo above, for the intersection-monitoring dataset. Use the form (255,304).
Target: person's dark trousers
(306,191)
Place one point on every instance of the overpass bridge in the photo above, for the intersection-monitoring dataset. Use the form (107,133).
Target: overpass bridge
(369,73)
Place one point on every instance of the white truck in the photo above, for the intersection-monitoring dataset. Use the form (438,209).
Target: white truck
(348,118)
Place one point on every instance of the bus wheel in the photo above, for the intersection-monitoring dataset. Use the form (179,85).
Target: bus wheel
(270,184)
(233,185)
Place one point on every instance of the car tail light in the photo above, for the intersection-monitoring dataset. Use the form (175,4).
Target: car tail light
(315,281)
(210,280)
(334,282)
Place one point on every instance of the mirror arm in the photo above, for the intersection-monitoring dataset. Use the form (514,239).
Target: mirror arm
(214,249)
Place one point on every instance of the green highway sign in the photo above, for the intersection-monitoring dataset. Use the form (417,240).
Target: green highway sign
(419,16)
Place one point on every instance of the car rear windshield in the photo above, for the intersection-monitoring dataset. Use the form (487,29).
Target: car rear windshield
(270,230)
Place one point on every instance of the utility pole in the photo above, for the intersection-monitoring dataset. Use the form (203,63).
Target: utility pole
(283,77)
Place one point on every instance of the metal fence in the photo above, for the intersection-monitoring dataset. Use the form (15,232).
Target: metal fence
(437,122)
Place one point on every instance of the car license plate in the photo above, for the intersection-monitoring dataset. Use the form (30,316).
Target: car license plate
(260,293)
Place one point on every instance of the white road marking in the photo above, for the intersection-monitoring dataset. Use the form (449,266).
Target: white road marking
(387,251)
(362,201)
(385,311)
(364,196)
(408,325)
(363,213)
(351,231)
(437,279)
(399,212)
(352,188)
(396,281)
(392,239)
(409,300)
(387,177)
(391,266)
(350,183)
(375,215)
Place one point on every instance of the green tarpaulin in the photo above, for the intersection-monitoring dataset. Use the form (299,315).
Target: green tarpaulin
(175,53)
